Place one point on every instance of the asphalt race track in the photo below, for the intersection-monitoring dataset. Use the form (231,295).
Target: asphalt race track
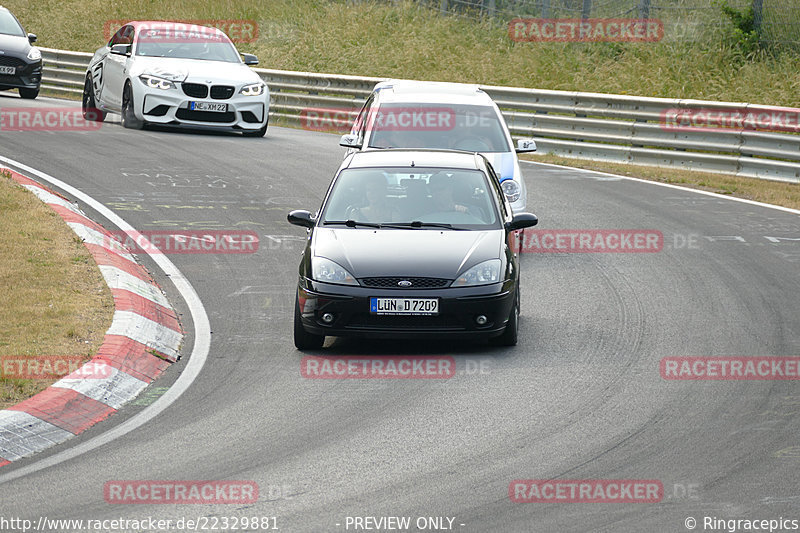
(580,397)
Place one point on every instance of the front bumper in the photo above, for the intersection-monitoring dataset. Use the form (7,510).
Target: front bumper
(458,308)
(172,106)
(28,75)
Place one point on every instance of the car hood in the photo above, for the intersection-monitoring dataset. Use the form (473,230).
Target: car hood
(414,253)
(13,45)
(195,70)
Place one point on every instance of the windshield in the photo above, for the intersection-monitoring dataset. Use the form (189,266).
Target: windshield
(475,128)
(9,24)
(399,196)
(186,45)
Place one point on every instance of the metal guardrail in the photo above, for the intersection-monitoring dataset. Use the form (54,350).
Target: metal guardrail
(607,127)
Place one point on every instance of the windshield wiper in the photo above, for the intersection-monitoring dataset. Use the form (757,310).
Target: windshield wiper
(420,224)
(352,223)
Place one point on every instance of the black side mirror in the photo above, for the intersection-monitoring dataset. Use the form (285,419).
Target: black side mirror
(522,221)
(121,49)
(31,38)
(250,59)
(301,217)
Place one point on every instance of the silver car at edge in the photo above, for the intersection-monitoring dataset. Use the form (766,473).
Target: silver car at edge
(439,115)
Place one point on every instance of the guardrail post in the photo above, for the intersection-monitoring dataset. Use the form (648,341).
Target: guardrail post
(644,9)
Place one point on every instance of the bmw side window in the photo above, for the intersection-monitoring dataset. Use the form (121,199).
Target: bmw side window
(124,35)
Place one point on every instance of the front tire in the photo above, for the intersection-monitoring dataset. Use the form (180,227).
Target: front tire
(510,334)
(304,340)
(28,94)
(88,105)
(129,119)
(257,133)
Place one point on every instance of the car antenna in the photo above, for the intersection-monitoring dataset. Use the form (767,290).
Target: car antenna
(412,163)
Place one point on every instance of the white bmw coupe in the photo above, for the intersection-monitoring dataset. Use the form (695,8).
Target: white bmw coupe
(176,74)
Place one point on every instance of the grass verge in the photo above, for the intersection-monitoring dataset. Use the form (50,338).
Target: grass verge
(56,302)
(698,57)
(767,191)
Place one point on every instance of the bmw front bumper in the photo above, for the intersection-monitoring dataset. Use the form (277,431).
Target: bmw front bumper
(172,106)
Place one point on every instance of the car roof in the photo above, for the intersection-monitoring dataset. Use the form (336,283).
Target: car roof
(418,158)
(431,91)
(167,24)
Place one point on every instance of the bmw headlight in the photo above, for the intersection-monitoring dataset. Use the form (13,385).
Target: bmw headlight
(484,273)
(327,271)
(154,82)
(510,189)
(254,89)
(34,54)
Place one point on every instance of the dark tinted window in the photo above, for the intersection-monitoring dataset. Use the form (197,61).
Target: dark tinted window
(400,194)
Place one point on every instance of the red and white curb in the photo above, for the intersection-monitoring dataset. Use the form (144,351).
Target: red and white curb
(144,338)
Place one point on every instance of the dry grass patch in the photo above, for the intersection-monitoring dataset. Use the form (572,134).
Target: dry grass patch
(55,299)
(767,191)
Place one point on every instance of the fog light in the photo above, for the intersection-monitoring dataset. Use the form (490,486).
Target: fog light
(481,320)
(327,318)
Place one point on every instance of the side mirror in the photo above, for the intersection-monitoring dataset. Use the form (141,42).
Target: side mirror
(350,140)
(121,49)
(522,221)
(526,145)
(301,217)
(250,59)
(31,38)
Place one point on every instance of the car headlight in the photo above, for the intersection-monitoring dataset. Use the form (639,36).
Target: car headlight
(154,82)
(34,54)
(484,273)
(510,189)
(327,271)
(254,89)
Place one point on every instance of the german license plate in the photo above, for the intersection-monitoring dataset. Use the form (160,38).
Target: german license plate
(208,106)
(404,306)
(8,70)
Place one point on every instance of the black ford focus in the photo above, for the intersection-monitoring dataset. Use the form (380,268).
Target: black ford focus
(410,244)
(20,61)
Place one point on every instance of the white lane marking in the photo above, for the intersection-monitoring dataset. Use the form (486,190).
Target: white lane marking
(50,198)
(197,359)
(93,236)
(672,186)
(145,331)
(114,390)
(117,278)
(23,434)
